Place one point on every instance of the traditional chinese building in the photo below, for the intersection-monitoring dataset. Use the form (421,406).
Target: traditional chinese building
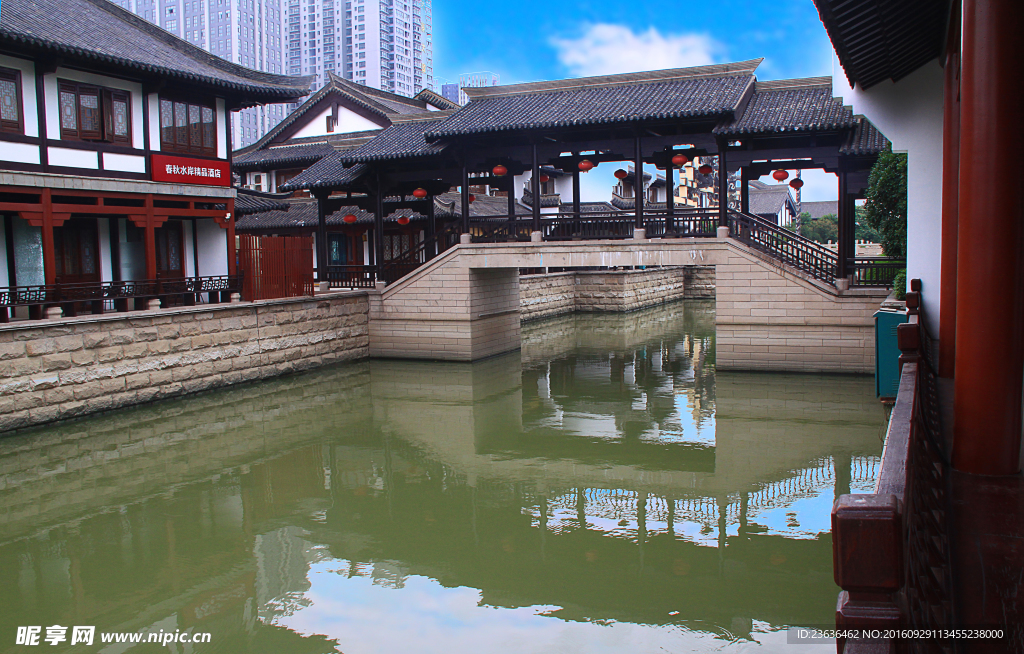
(115,177)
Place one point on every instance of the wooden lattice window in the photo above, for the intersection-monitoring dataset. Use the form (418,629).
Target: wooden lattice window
(93,113)
(188,127)
(10,101)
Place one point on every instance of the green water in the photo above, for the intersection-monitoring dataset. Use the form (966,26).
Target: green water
(603,490)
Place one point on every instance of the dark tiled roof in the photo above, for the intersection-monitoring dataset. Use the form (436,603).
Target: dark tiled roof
(791,106)
(680,93)
(107,35)
(405,138)
(549,200)
(588,207)
(250,202)
(438,101)
(819,209)
(449,205)
(628,204)
(302,214)
(876,41)
(283,155)
(865,139)
(329,172)
(770,199)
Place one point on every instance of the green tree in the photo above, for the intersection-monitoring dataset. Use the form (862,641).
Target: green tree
(822,230)
(886,206)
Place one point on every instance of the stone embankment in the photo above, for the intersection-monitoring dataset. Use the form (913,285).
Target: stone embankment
(95,363)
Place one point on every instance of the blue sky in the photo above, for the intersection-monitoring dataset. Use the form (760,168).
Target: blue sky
(525,41)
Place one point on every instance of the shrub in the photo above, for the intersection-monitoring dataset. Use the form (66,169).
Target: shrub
(899,285)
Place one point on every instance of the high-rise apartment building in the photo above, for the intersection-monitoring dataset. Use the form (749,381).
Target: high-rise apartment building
(246,32)
(386,44)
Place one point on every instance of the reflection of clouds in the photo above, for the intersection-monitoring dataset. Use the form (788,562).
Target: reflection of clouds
(427,618)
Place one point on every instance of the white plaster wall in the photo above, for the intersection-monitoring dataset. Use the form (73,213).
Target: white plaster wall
(73,158)
(909,113)
(189,251)
(315,124)
(222,130)
(154,122)
(29,108)
(213,248)
(520,184)
(20,153)
(106,263)
(127,163)
(349,121)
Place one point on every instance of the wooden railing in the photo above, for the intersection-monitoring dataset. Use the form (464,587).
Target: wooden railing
(409,260)
(603,225)
(784,245)
(351,276)
(99,297)
(876,271)
(890,549)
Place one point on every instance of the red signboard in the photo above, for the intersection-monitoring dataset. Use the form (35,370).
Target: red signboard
(184,170)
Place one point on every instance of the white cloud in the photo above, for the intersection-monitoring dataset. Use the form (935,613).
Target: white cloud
(606,49)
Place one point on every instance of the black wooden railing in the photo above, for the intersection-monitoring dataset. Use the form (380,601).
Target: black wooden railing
(351,276)
(409,260)
(875,271)
(891,548)
(99,297)
(784,245)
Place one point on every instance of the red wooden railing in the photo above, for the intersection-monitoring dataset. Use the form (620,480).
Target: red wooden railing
(890,548)
(276,266)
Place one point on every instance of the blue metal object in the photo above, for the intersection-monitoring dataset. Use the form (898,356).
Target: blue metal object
(887,353)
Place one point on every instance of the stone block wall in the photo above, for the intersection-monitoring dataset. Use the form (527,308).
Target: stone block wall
(541,296)
(700,282)
(77,366)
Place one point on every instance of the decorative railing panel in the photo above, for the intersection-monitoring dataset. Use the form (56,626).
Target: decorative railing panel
(99,297)
(276,266)
(876,271)
(351,276)
(788,247)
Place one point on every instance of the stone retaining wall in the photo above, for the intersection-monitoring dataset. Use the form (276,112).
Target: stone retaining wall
(541,296)
(77,366)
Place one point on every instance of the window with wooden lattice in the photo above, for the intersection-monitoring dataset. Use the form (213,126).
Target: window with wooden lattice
(188,127)
(94,113)
(10,101)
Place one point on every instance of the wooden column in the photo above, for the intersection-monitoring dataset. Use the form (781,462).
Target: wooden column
(49,255)
(535,186)
(576,194)
(431,231)
(378,228)
(321,237)
(723,185)
(950,193)
(511,203)
(465,198)
(990,242)
(149,238)
(638,185)
(745,189)
(843,220)
(670,201)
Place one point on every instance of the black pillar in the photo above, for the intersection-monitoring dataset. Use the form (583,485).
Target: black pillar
(576,194)
(512,236)
(670,201)
(321,237)
(431,230)
(535,188)
(638,185)
(465,198)
(745,189)
(378,226)
(844,219)
(723,185)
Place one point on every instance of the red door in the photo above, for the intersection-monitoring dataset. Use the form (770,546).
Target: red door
(76,250)
(170,258)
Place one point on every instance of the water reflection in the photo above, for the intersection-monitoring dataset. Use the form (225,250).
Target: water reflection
(602,490)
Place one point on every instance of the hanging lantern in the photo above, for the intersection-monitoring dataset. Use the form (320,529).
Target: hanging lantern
(403,220)
(680,160)
(499,171)
(705,169)
(420,193)
(586,165)
(472,198)
(350,218)
(796,183)
(621,174)
(544,179)
(780,175)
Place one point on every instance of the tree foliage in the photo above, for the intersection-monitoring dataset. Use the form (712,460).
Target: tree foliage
(826,228)
(886,206)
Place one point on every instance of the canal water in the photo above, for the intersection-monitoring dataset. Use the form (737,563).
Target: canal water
(602,490)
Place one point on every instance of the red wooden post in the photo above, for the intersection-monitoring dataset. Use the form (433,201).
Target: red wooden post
(990,230)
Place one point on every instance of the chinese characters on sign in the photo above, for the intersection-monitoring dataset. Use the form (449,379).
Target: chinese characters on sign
(189,170)
(55,634)
(173,169)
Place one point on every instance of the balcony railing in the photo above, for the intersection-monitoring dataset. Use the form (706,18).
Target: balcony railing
(100,297)
(890,549)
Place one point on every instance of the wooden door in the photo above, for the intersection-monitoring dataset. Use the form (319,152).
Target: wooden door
(76,250)
(170,256)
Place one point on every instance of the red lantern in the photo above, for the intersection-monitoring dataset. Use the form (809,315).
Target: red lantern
(499,171)
(586,165)
(796,183)
(705,169)
(472,198)
(420,193)
(544,179)
(679,160)
(780,175)
(350,218)
(621,174)
(403,220)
